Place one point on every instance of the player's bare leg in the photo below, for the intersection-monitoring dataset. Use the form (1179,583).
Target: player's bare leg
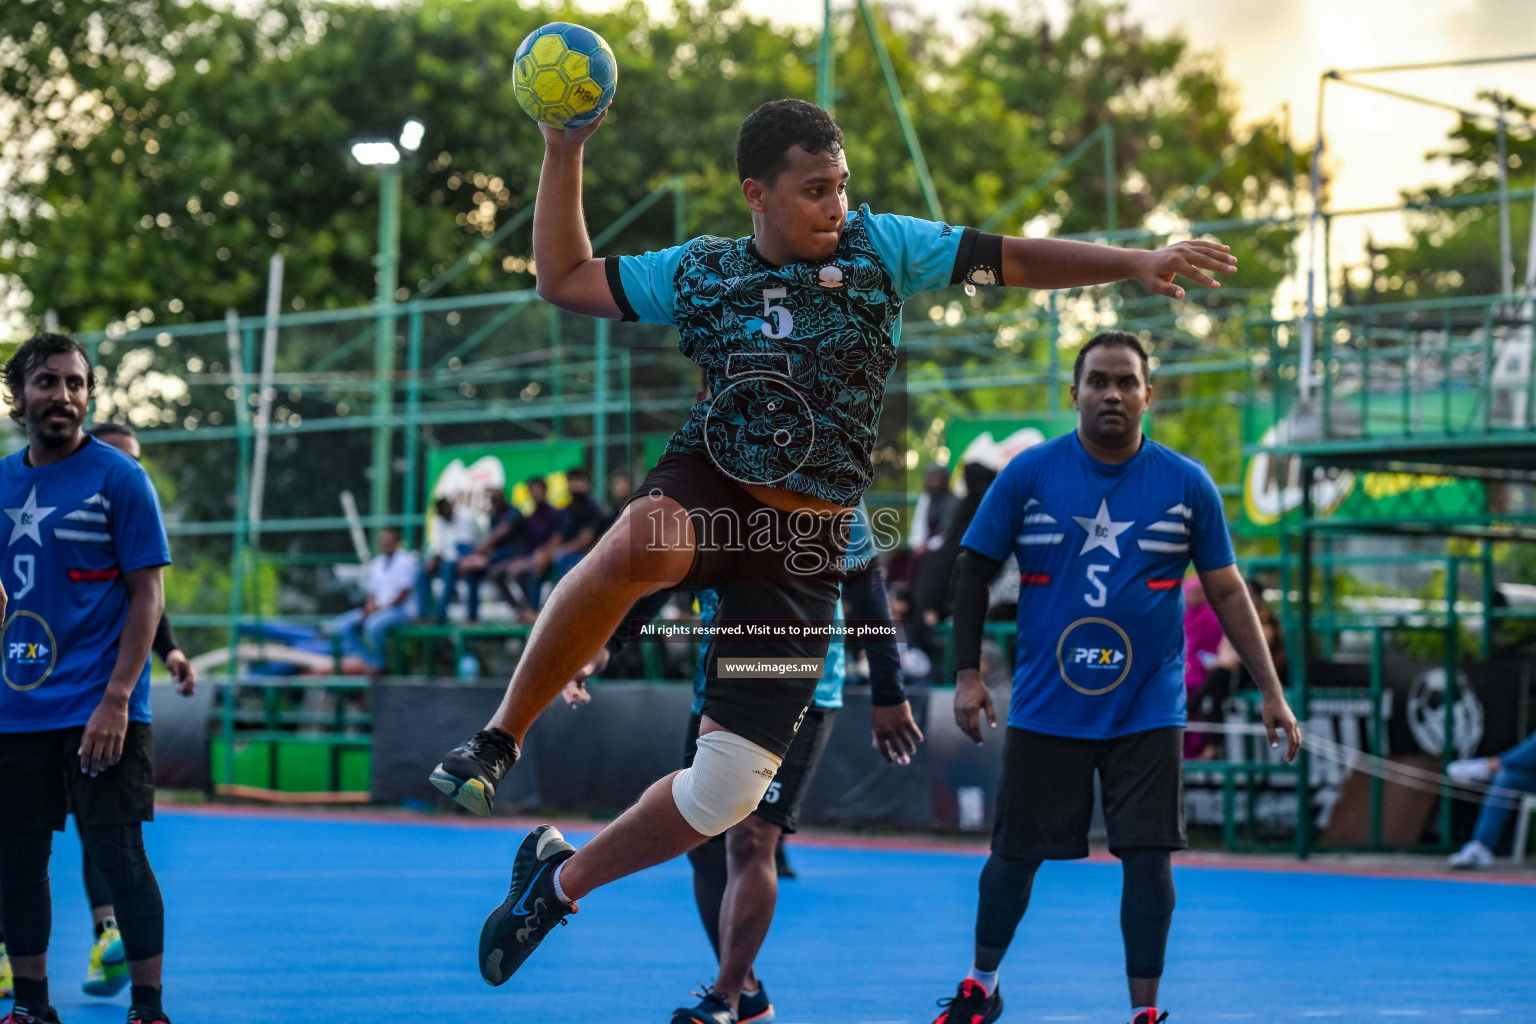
(649,548)
(751,896)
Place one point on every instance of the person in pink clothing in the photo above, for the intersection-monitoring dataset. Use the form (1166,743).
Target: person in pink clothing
(1202,641)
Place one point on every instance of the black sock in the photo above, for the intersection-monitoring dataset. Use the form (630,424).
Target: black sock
(32,994)
(147,996)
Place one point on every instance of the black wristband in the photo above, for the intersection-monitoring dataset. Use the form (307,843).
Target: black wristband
(979,260)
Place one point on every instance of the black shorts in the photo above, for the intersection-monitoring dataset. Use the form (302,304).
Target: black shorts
(41,782)
(786,793)
(1045,802)
(774,569)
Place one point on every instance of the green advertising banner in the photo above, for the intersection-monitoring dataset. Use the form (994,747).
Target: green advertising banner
(994,440)
(467,473)
(1272,488)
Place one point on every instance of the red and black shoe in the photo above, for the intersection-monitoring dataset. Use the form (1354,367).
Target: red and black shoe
(1150,1016)
(971,1005)
(22,1015)
(147,1015)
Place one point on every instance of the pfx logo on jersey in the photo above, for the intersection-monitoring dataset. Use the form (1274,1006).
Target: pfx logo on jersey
(27,654)
(31,653)
(1093,655)
(1099,658)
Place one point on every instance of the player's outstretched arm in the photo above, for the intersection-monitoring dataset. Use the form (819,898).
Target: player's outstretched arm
(1063,263)
(567,275)
(1228,597)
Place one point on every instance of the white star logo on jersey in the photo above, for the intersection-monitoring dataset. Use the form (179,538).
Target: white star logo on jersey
(1102,530)
(27,518)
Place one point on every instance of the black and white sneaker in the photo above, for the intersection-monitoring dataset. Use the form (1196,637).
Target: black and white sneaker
(971,1005)
(712,1009)
(531,909)
(755,1007)
(471,771)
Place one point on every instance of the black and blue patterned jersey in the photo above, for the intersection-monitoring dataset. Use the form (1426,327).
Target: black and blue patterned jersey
(796,357)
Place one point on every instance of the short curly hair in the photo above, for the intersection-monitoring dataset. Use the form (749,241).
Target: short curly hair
(33,352)
(776,127)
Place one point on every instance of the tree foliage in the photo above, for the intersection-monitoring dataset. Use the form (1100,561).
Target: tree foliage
(1454,250)
(163,150)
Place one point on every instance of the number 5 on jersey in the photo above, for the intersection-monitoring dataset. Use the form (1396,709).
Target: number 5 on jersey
(1097,599)
(778,322)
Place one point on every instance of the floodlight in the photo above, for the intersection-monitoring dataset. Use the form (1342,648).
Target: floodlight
(375,153)
(411,135)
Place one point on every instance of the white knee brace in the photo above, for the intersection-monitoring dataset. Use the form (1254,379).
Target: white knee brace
(729,776)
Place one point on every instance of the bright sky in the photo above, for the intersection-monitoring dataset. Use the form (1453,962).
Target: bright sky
(1276,49)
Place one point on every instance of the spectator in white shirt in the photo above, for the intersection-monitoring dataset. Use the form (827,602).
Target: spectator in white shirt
(455,531)
(392,580)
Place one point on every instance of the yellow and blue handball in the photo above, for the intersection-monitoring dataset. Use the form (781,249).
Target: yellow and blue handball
(564,75)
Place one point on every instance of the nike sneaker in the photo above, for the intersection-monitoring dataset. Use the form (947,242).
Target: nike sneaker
(7,981)
(712,1009)
(754,1007)
(471,771)
(531,909)
(147,1015)
(971,1005)
(107,974)
(1149,1016)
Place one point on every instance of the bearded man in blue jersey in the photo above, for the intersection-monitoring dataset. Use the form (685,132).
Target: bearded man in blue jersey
(795,328)
(82,558)
(1104,523)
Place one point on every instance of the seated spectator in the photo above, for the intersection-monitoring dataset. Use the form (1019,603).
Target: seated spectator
(502,545)
(619,489)
(455,530)
(580,523)
(1512,770)
(538,526)
(392,581)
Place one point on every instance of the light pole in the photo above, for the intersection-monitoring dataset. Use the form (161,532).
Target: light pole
(384,156)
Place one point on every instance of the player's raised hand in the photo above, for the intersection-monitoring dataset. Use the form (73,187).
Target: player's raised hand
(896,734)
(1195,260)
(570,138)
(1278,716)
(972,699)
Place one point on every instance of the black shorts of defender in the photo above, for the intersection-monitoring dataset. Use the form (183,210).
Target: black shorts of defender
(1045,802)
(772,569)
(785,798)
(41,783)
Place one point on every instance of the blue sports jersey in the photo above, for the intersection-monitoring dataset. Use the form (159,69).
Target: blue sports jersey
(74,528)
(796,357)
(1102,551)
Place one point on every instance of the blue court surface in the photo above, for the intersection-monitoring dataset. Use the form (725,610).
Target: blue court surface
(326,919)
